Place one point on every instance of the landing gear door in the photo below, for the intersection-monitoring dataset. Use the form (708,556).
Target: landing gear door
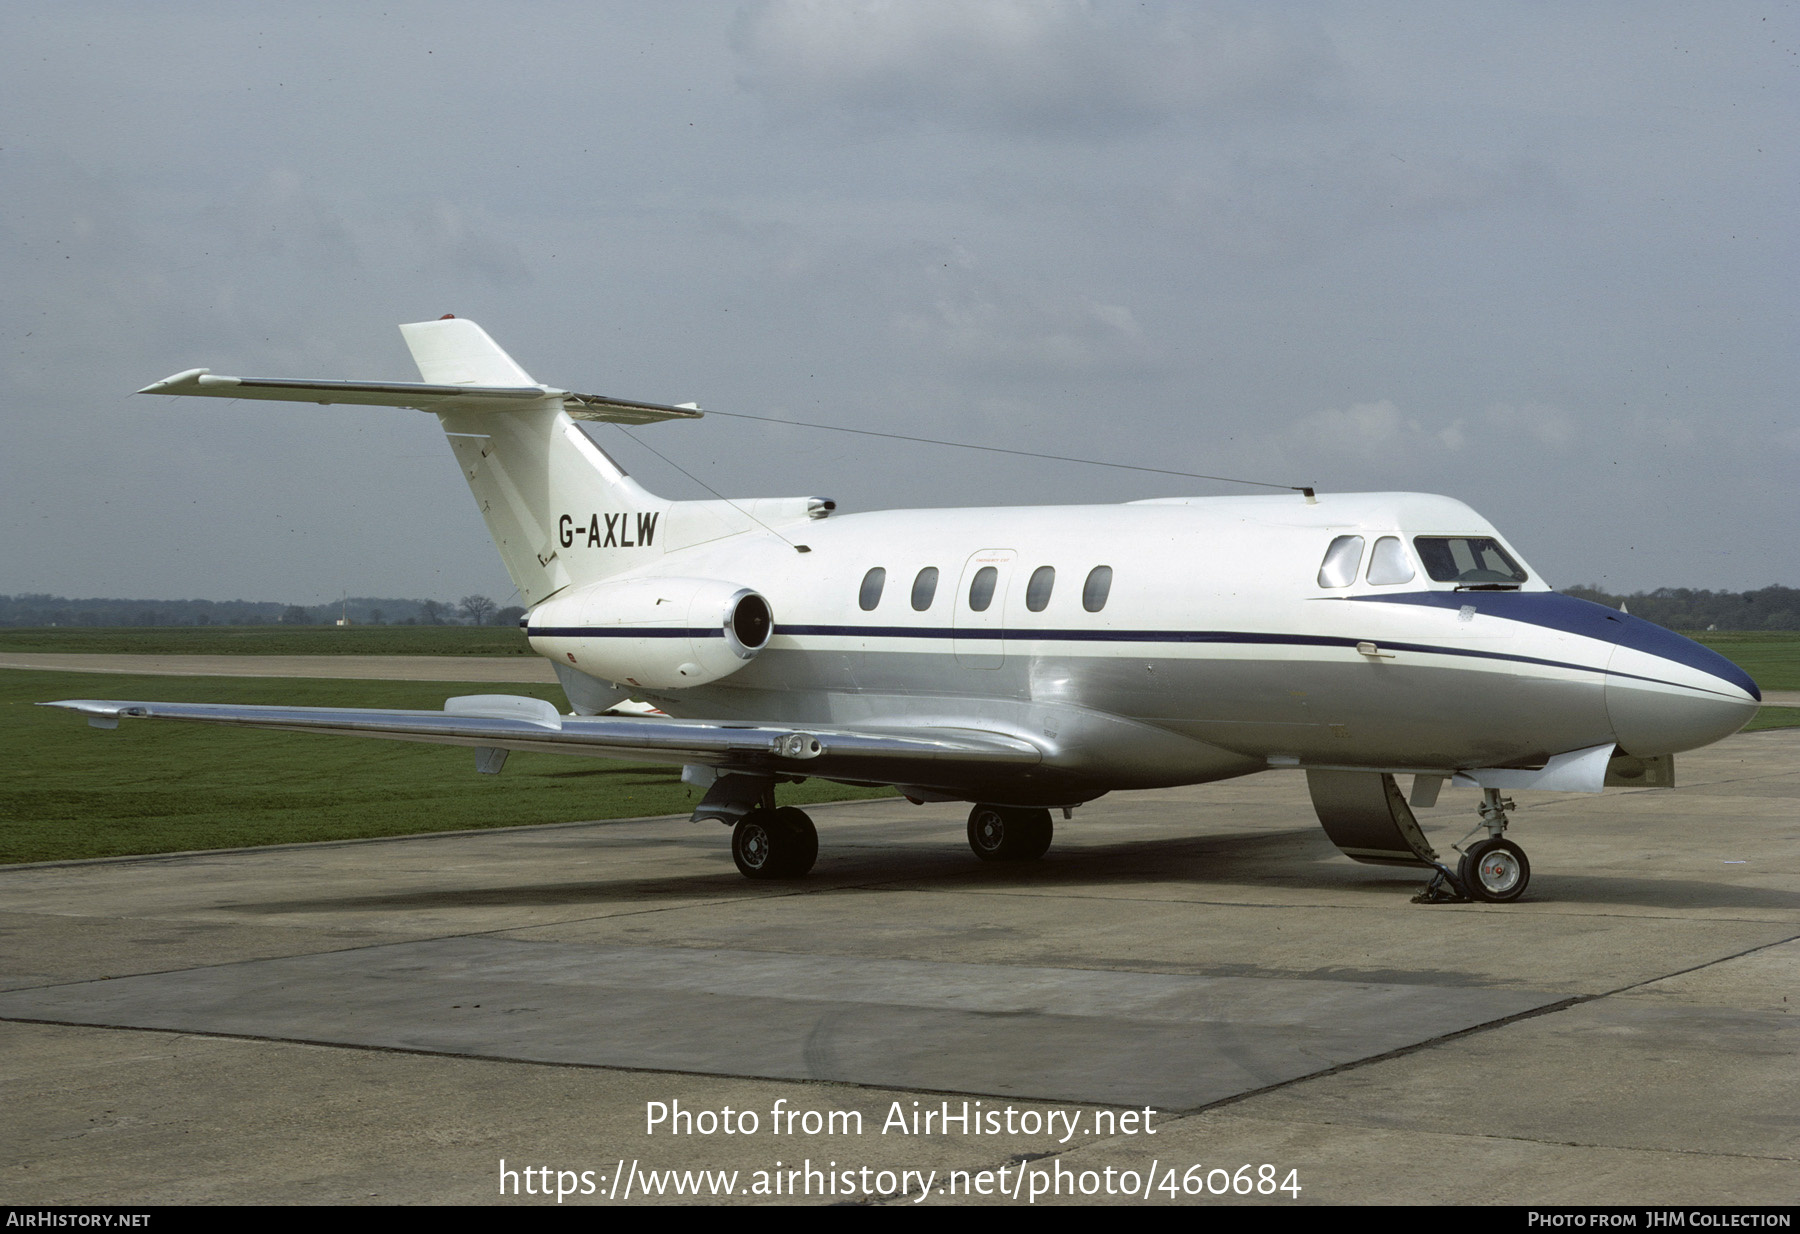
(979,608)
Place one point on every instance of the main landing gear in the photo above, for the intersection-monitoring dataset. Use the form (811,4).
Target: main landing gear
(779,843)
(1009,833)
(767,841)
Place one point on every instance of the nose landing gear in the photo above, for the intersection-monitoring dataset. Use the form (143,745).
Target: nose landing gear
(1494,870)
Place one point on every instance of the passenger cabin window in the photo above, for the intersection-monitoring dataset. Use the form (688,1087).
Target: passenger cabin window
(924,589)
(981,590)
(872,584)
(1469,561)
(1388,564)
(1095,590)
(1037,591)
(1341,560)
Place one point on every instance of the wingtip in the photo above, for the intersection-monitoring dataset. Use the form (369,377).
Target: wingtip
(187,377)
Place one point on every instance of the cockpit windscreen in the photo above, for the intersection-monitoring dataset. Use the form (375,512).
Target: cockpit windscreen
(1469,561)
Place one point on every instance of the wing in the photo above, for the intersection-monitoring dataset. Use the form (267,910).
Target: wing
(424,396)
(504,722)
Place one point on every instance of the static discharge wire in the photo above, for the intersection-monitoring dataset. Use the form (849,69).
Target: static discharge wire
(1055,458)
(798,548)
(1303,489)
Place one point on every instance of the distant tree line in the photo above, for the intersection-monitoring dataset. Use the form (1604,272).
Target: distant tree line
(45,610)
(1683,608)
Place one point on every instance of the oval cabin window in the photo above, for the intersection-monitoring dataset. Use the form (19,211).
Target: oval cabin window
(872,584)
(1096,589)
(981,590)
(924,589)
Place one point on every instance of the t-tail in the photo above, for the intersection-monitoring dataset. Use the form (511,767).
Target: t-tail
(544,488)
(562,512)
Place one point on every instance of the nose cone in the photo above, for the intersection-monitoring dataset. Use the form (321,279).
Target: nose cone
(1665,693)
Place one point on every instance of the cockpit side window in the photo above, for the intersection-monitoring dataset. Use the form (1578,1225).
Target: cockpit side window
(1341,560)
(1469,561)
(1388,564)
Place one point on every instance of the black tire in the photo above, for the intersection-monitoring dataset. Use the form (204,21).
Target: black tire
(1001,833)
(800,838)
(774,844)
(1495,871)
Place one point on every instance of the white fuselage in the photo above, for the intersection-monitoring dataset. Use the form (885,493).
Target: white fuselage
(1217,651)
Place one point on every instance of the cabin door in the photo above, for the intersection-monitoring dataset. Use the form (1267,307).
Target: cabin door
(979,606)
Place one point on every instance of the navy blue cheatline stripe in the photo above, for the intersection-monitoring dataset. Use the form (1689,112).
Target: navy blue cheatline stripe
(623,632)
(1554,611)
(1240,637)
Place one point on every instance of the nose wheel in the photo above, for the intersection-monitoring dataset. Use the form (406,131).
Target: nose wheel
(1495,871)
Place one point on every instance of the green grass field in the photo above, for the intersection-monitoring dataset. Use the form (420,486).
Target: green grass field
(1772,657)
(147,787)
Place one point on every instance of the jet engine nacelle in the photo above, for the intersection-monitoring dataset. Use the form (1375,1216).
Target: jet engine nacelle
(657,633)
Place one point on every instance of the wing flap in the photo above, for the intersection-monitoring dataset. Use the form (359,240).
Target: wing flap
(530,724)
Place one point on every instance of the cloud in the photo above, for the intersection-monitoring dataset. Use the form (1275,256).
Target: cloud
(1013,332)
(466,242)
(1370,431)
(1546,425)
(1363,430)
(1254,204)
(1045,67)
(278,218)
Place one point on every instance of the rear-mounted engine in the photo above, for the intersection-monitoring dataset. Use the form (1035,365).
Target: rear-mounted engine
(656,633)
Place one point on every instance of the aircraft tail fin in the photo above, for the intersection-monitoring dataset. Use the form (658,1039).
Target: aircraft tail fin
(560,510)
(454,351)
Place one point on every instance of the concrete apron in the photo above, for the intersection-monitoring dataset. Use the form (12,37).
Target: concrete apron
(387,1020)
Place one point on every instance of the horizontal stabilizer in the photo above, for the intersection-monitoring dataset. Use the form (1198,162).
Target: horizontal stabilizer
(421,395)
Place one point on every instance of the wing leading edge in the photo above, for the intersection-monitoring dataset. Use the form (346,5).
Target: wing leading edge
(513,722)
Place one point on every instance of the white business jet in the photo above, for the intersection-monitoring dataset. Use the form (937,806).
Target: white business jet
(1026,659)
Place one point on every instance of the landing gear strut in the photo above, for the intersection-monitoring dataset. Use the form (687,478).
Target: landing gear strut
(1007,833)
(779,843)
(1495,869)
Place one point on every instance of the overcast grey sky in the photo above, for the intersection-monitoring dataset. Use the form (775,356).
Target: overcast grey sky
(1540,257)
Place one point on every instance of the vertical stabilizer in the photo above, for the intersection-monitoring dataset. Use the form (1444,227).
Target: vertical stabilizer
(561,511)
(457,352)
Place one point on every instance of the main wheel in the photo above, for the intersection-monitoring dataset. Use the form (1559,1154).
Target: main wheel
(800,838)
(1000,833)
(1495,871)
(774,843)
